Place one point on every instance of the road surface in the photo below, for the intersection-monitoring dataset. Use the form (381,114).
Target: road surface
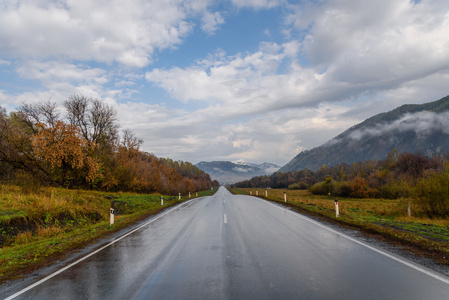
(237,247)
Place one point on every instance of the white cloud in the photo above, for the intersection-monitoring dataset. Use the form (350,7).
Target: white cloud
(422,123)
(257,4)
(235,80)
(51,71)
(376,44)
(241,170)
(211,21)
(376,57)
(105,31)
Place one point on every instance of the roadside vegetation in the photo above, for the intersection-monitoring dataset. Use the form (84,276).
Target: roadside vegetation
(385,218)
(423,180)
(38,227)
(81,146)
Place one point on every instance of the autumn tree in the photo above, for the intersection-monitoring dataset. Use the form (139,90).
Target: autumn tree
(65,152)
(82,148)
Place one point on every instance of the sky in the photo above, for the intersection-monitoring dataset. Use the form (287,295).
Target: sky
(239,80)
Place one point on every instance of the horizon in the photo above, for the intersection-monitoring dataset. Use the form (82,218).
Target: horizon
(254,81)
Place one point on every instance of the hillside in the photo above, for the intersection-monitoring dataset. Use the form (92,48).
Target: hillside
(408,128)
(227,172)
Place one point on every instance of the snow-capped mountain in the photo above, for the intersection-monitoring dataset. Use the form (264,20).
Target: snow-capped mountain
(227,172)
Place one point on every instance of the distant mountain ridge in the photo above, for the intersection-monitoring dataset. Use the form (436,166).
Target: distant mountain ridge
(409,128)
(227,172)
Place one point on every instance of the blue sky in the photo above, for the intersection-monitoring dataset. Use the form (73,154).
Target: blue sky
(252,80)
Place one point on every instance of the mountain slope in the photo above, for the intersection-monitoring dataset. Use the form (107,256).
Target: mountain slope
(227,172)
(409,128)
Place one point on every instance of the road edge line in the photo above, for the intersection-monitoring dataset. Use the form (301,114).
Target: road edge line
(380,251)
(94,252)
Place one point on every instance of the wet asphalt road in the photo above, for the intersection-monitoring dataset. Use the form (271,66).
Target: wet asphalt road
(239,247)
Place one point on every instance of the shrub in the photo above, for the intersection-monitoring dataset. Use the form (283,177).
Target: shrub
(395,189)
(432,194)
(360,189)
(298,186)
(325,187)
(342,189)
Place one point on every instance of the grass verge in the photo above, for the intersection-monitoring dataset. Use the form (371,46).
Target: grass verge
(380,218)
(40,227)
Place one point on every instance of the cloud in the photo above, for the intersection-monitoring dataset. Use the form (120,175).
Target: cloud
(422,123)
(194,136)
(257,4)
(56,71)
(348,62)
(377,45)
(248,80)
(104,31)
(211,21)
(347,51)
(240,170)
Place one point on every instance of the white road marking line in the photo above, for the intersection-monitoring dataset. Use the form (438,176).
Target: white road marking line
(92,253)
(225,219)
(398,259)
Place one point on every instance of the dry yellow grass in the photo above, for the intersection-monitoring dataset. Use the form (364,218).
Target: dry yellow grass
(396,209)
(23,238)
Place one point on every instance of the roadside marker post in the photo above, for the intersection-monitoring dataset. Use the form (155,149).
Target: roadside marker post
(112,213)
(266,193)
(251,193)
(189,194)
(162,201)
(179,196)
(285,196)
(257,192)
(337,212)
(111,219)
(409,213)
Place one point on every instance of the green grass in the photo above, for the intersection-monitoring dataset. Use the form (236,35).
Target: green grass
(37,228)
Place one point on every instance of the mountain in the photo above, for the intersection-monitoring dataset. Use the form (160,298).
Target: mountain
(409,128)
(227,172)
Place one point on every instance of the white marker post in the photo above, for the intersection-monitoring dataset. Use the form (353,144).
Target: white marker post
(162,201)
(257,192)
(251,193)
(266,193)
(179,196)
(337,213)
(189,194)
(285,196)
(111,217)
(409,212)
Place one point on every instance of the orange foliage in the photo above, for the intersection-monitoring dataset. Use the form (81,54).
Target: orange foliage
(62,147)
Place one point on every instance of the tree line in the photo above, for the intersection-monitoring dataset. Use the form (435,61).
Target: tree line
(405,175)
(81,146)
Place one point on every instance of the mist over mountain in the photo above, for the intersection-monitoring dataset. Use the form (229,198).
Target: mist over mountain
(227,172)
(409,128)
